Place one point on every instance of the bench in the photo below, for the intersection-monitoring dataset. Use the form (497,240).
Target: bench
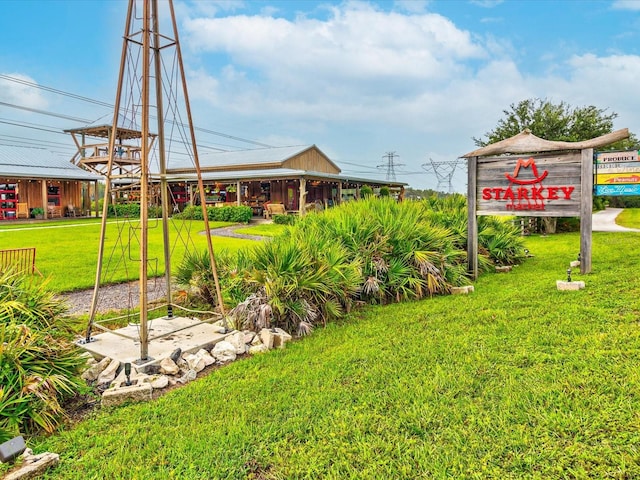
(274,209)
(22,259)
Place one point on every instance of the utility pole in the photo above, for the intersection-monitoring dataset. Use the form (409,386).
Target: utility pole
(390,165)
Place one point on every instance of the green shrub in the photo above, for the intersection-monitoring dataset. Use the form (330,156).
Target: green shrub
(39,365)
(384,191)
(236,214)
(284,219)
(132,210)
(366,191)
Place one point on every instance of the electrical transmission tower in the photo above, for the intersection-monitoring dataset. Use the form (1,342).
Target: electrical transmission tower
(443,170)
(390,165)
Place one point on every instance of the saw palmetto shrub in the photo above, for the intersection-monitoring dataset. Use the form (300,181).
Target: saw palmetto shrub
(39,365)
(499,240)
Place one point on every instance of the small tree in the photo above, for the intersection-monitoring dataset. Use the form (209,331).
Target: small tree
(384,191)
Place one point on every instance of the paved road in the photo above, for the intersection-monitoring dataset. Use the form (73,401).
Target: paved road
(605,221)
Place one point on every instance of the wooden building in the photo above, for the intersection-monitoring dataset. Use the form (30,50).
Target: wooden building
(299,177)
(35,178)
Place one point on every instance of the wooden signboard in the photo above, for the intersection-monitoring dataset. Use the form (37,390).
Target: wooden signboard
(538,186)
(617,173)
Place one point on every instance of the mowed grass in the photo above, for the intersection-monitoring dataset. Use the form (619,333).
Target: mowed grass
(516,380)
(629,217)
(67,251)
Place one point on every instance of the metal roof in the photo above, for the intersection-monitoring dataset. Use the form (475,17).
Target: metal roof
(279,173)
(256,156)
(27,162)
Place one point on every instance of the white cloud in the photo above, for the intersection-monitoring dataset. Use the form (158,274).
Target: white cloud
(18,93)
(626,5)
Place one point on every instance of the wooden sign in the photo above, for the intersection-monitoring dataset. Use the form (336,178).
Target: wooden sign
(540,185)
(617,157)
(618,190)
(618,178)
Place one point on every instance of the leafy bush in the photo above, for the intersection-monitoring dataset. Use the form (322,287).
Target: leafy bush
(284,219)
(237,214)
(384,191)
(366,191)
(132,210)
(39,365)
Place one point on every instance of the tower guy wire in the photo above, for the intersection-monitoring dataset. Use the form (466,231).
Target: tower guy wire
(390,165)
(443,170)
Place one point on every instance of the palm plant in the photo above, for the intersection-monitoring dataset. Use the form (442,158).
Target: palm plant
(39,366)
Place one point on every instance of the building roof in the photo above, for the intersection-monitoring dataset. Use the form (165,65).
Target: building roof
(278,174)
(237,159)
(36,163)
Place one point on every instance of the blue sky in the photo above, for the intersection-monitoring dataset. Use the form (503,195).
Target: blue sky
(358,79)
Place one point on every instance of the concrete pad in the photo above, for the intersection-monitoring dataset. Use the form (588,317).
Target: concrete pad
(194,336)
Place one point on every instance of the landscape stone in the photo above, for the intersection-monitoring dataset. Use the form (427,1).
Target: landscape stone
(94,371)
(109,373)
(195,362)
(567,286)
(266,336)
(208,359)
(248,337)
(503,269)
(256,340)
(574,264)
(175,355)
(187,377)
(134,377)
(280,337)
(168,367)
(34,466)
(253,349)
(224,352)
(160,382)
(462,290)
(135,393)
(237,340)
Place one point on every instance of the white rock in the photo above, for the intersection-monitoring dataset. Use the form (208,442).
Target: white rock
(208,359)
(258,349)
(161,381)
(266,336)
(248,337)
(187,377)
(220,329)
(94,371)
(195,362)
(224,352)
(109,373)
(168,367)
(237,340)
(256,340)
(280,337)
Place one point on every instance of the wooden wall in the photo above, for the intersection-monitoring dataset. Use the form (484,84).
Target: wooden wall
(70,193)
(311,160)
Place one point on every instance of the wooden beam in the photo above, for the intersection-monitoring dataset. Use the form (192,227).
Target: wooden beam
(586,210)
(472,222)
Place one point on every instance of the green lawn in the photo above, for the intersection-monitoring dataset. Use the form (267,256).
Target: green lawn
(516,380)
(629,217)
(67,250)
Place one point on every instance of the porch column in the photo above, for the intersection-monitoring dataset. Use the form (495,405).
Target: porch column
(303,195)
(238,193)
(43,183)
(339,199)
(357,191)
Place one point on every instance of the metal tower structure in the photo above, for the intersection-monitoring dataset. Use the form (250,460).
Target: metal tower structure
(443,170)
(151,102)
(390,165)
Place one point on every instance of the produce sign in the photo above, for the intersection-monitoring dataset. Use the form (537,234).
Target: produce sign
(617,173)
(542,185)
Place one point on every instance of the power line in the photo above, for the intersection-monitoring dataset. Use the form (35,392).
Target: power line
(110,105)
(443,170)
